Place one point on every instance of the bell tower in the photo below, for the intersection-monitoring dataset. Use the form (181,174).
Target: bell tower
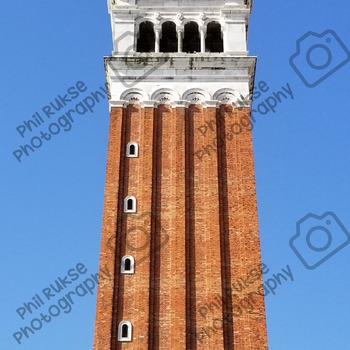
(180,228)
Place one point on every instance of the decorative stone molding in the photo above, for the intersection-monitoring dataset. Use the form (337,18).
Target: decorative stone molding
(231,97)
(174,98)
(196,96)
(203,16)
(134,96)
(142,19)
(165,96)
(158,17)
(215,19)
(180,17)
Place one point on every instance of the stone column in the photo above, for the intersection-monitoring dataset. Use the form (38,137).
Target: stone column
(203,32)
(158,32)
(180,36)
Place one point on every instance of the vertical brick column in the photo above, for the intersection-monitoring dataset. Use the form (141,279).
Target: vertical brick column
(206,232)
(156,234)
(172,293)
(190,248)
(248,306)
(137,229)
(227,302)
(104,307)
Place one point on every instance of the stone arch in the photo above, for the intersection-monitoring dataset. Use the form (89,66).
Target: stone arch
(214,41)
(165,96)
(134,96)
(146,37)
(230,96)
(196,96)
(191,39)
(168,42)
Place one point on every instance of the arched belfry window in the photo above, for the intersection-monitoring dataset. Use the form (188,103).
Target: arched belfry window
(132,150)
(127,265)
(192,41)
(168,42)
(130,204)
(147,39)
(125,331)
(214,41)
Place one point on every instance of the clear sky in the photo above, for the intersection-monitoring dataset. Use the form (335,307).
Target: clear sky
(51,201)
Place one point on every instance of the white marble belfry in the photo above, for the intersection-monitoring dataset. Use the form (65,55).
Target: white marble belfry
(180,76)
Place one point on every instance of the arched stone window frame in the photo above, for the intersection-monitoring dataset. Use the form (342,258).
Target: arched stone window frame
(122,335)
(123,268)
(139,22)
(180,22)
(127,208)
(129,153)
(188,21)
(222,24)
(163,34)
(134,96)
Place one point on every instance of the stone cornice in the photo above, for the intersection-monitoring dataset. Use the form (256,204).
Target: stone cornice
(169,69)
(176,61)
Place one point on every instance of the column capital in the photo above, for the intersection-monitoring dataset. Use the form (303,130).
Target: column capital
(203,29)
(180,28)
(157,28)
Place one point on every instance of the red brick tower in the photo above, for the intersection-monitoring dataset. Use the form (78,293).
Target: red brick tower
(180,228)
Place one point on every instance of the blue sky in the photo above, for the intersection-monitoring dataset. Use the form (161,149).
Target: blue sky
(51,201)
